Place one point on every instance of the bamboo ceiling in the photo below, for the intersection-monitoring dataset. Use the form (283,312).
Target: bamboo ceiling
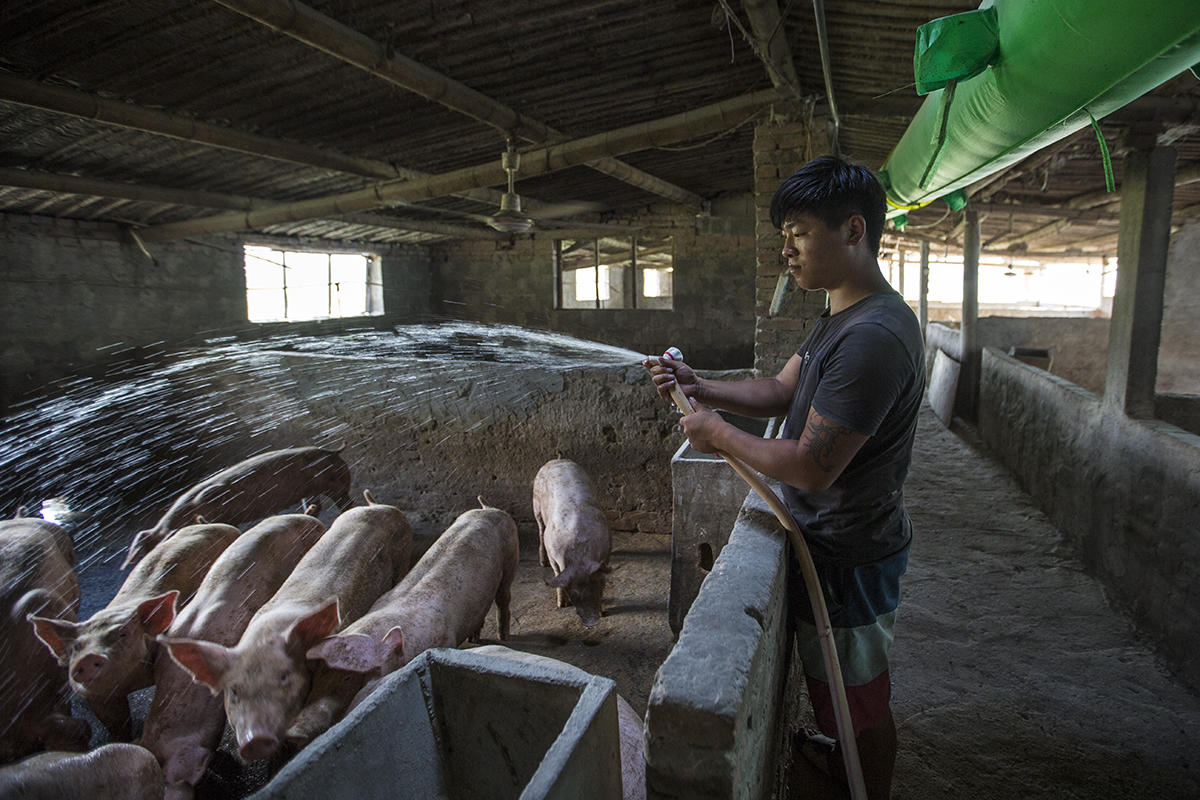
(169,116)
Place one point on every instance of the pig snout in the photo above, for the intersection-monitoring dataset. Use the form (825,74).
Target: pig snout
(588,615)
(256,744)
(88,668)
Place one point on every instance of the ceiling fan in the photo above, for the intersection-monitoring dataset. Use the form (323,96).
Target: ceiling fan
(509,218)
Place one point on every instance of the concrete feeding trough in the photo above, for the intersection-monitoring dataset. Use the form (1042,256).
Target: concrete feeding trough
(460,725)
(706,495)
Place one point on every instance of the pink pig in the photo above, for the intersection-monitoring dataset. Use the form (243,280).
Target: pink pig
(573,536)
(186,721)
(37,576)
(110,772)
(250,490)
(265,677)
(112,653)
(442,602)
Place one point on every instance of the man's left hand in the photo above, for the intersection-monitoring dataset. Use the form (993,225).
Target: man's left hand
(701,427)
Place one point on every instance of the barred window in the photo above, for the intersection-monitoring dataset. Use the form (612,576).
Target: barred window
(615,272)
(297,285)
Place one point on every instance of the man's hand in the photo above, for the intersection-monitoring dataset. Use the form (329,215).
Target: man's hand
(701,427)
(666,372)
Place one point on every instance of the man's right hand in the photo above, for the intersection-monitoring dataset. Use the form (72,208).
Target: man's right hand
(666,372)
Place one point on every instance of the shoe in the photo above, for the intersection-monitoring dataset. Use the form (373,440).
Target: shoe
(820,751)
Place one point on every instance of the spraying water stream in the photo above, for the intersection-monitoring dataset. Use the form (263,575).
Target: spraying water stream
(106,456)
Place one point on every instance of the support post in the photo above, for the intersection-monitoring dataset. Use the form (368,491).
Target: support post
(968,384)
(923,302)
(1147,194)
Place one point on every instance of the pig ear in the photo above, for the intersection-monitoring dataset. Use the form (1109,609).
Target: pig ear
(157,612)
(56,634)
(392,641)
(137,548)
(352,652)
(208,493)
(316,626)
(561,580)
(206,661)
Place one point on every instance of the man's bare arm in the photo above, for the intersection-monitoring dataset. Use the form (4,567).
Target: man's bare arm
(811,464)
(760,397)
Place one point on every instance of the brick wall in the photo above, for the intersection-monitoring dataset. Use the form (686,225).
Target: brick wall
(76,296)
(780,148)
(712,321)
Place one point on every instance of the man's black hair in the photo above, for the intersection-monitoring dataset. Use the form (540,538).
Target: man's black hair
(832,189)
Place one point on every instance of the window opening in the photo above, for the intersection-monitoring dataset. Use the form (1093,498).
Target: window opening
(297,285)
(615,272)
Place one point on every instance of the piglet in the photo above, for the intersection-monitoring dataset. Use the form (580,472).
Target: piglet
(186,720)
(112,653)
(265,677)
(252,489)
(110,772)
(573,536)
(37,576)
(442,602)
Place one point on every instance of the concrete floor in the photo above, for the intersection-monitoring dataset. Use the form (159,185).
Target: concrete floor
(1012,675)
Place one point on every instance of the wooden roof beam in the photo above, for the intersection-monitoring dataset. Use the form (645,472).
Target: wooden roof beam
(1059,212)
(1100,197)
(127,115)
(422,226)
(896,239)
(95,187)
(1181,217)
(176,126)
(769,42)
(676,128)
(307,25)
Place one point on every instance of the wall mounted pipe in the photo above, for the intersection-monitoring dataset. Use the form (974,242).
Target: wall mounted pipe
(1058,64)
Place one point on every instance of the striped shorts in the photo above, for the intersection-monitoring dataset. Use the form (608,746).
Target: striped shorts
(862,603)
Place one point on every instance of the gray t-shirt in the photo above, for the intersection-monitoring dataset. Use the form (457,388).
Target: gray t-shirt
(864,369)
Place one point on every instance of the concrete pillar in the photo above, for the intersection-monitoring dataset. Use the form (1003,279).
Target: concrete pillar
(1179,349)
(1147,194)
(967,400)
(923,302)
(900,272)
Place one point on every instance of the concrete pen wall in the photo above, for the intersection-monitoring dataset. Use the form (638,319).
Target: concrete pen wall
(1126,491)
(712,726)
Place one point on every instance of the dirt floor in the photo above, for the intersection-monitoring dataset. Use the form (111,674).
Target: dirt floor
(1013,677)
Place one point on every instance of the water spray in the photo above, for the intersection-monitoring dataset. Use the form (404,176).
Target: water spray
(841,706)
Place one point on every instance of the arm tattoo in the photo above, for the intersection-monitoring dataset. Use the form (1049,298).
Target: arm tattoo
(821,436)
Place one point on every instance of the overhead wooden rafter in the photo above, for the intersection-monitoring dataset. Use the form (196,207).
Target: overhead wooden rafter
(768,39)
(1088,200)
(95,187)
(676,128)
(324,33)
(62,100)
(388,222)
(143,193)
(894,238)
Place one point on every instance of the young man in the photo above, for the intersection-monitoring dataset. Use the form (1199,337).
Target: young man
(851,395)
